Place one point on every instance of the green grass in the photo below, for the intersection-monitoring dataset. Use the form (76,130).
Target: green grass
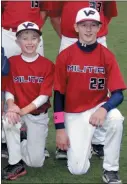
(56,171)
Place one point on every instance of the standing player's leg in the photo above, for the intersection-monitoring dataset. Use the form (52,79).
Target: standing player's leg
(40,48)
(66,42)
(9,44)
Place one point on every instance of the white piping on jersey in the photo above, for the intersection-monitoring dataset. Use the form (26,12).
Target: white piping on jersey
(29,60)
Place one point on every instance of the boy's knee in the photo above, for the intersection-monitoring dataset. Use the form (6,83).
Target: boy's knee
(115,114)
(6,124)
(116,120)
(78,168)
(37,160)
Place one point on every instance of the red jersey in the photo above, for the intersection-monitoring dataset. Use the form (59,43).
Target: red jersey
(27,81)
(68,11)
(85,77)
(16,12)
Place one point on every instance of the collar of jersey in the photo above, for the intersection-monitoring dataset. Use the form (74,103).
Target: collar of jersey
(29,60)
(87,48)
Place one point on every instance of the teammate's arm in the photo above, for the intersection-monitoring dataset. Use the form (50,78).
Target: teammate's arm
(13,110)
(44,15)
(39,101)
(116,85)
(62,140)
(110,10)
(55,16)
(114,101)
(55,21)
(44,93)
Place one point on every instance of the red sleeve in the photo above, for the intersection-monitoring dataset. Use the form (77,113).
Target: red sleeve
(4,80)
(47,84)
(56,9)
(60,75)
(10,84)
(46,5)
(110,9)
(115,78)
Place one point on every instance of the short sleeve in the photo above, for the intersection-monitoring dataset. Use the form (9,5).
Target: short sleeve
(60,75)
(47,84)
(10,84)
(46,5)
(115,78)
(56,9)
(110,9)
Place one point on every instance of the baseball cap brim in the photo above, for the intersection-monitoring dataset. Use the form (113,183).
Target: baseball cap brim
(83,20)
(39,32)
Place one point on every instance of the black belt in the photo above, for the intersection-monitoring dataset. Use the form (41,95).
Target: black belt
(37,114)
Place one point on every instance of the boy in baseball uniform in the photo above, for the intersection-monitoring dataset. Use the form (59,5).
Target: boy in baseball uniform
(28,90)
(84,73)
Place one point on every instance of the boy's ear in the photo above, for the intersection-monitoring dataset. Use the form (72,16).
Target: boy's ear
(17,42)
(99,27)
(76,28)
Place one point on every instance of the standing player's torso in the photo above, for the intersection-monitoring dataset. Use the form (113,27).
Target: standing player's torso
(16,12)
(69,12)
(86,79)
(28,78)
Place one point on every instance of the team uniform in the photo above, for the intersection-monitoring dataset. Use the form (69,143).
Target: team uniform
(84,85)
(14,13)
(26,85)
(67,11)
(83,76)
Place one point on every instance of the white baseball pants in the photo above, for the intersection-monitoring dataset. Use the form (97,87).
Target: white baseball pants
(31,151)
(10,46)
(99,134)
(80,134)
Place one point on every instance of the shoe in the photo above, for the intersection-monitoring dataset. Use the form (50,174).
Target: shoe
(47,155)
(12,172)
(98,150)
(111,177)
(4,151)
(60,154)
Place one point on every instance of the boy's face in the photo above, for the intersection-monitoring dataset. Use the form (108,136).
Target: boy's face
(28,41)
(87,31)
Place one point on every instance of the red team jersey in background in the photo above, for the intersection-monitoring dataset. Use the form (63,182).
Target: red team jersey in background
(16,12)
(85,77)
(29,80)
(68,12)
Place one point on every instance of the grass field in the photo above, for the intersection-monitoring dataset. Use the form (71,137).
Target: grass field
(56,171)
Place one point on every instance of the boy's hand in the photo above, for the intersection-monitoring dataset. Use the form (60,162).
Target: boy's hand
(62,140)
(13,117)
(98,117)
(14,108)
